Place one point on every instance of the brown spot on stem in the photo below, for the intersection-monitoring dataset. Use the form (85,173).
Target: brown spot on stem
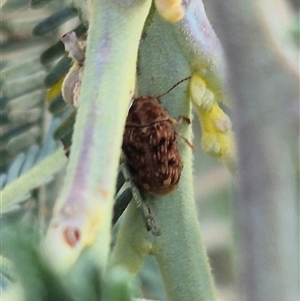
(104,193)
(72,236)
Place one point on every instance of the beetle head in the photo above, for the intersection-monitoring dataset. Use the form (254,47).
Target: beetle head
(146,110)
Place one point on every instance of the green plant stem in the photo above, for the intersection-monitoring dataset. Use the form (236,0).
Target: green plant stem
(180,253)
(86,201)
(179,250)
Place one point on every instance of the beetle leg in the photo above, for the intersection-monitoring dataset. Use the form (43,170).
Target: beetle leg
(190,144)
(141,202)
(179,121)
(135,191)
(150,218)
(182,118)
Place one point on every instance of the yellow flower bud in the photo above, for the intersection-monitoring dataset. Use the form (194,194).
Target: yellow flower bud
(218,139)
(171,10)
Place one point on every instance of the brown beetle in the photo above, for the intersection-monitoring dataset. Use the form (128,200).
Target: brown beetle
(150,147)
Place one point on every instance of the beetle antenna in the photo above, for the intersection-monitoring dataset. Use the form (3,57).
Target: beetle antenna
(187,78)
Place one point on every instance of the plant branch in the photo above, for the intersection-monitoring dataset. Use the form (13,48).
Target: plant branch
(83,212)
(164,60)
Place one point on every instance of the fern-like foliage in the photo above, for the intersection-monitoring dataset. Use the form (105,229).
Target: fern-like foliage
(26,125)
(29,156)
(34,121)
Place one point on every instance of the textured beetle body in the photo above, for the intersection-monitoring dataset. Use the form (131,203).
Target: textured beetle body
(150,146)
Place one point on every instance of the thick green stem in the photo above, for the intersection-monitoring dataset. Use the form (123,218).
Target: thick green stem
(179,250)
(82,215)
